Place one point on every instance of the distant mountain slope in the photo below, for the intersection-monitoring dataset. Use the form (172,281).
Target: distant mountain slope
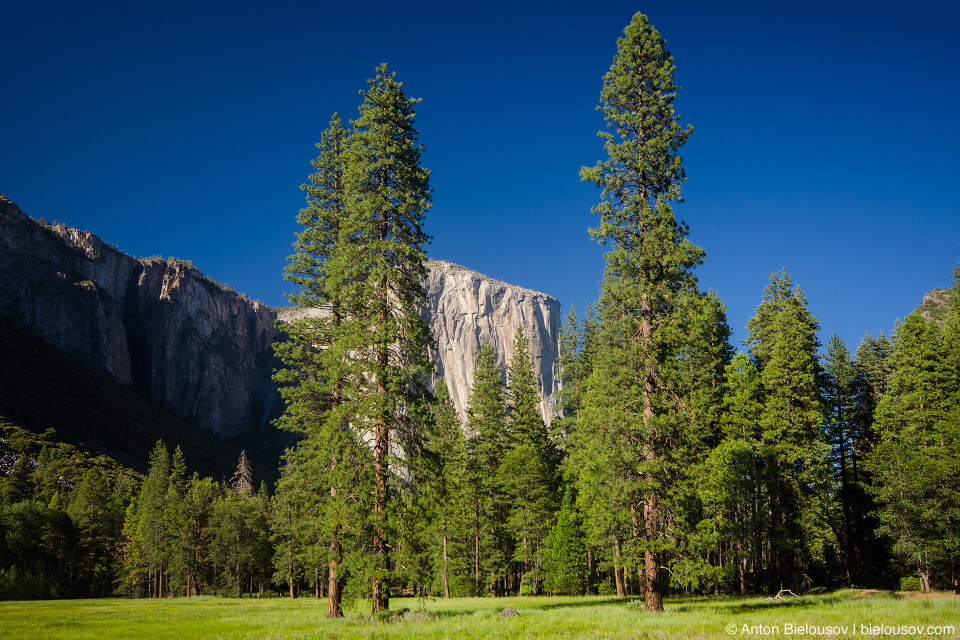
(163,332)
(43,388)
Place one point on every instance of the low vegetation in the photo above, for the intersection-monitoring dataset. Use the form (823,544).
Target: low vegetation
(539,617)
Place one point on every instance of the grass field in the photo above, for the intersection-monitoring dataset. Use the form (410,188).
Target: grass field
(845,614)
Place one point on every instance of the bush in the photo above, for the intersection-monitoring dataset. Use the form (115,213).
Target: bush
(910,583)
(391,615)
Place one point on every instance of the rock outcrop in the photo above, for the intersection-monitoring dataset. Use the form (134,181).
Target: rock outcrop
(466,309)
(933,307)
(193,346)
(204,351)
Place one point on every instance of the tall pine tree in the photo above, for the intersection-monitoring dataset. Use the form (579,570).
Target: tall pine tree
(382,339)
(783,346)
(488,445)
(649,266)
(316,371)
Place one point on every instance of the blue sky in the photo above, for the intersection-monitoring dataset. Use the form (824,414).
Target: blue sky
(826,135)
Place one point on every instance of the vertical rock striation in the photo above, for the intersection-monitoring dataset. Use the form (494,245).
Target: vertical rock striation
(201,350)
(467,309)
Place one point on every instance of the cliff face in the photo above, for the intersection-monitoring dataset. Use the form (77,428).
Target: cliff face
(466,309)
(203,351)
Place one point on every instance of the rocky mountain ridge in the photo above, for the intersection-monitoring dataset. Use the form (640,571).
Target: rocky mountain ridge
(204,351)
(933,307)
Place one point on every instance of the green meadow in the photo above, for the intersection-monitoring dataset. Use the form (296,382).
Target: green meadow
(845,614)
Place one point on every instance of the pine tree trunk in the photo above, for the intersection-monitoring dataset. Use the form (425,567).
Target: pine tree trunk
(381,595)
(743,575)
(446,573)
(476,560)
(617,568)
(290,578)
(334,593)
(653,600)
(381,563)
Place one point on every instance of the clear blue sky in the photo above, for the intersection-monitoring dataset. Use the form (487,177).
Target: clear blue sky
(826,135)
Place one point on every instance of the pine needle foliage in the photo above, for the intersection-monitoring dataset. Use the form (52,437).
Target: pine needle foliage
(635,399)
(360,364)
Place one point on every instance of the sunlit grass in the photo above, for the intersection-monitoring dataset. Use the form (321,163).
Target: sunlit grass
(437,619)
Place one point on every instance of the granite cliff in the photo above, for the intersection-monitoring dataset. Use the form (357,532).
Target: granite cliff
(933,307)
(204,351)
(161,326)
(466,309)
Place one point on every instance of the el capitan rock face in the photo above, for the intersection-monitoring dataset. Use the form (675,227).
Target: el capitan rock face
(467,309)
(206,352)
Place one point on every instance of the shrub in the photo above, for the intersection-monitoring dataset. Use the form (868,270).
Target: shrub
(910,583)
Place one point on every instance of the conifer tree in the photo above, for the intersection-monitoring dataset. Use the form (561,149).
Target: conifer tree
(649,265)
(783,346)
(19,486)
(242,481)
(565,561)
(839,393)
(730,480)
(446,494)
(526,423)
(489,443)
(914,467)
(872,373)
(95,515)
(356,372)
(309,510)
(528,473)
(383,338)
(153,522)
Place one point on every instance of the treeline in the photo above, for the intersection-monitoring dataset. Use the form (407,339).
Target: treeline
(105,533)
(803,467)
(788,466)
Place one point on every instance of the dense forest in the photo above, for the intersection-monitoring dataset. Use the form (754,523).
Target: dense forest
(673,462)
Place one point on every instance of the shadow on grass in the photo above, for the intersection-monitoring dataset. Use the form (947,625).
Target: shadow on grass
(599,601)
(492,609)
(791,603)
